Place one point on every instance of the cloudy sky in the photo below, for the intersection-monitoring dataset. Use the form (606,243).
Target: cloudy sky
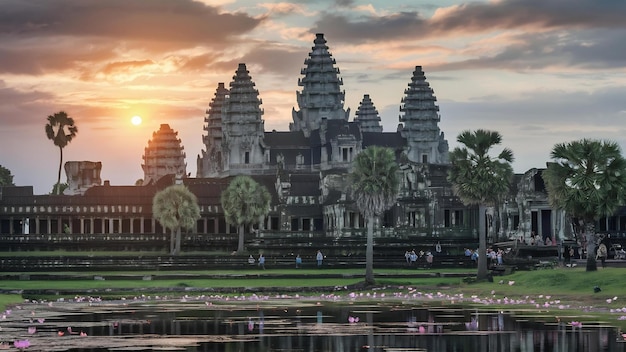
(539,72)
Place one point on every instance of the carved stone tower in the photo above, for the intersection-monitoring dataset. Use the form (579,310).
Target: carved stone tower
(367,116)
(243,149)
(426,143)
(321,97)
(164,155)
(210,163)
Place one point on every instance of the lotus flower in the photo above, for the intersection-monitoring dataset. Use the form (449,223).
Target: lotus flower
(32,329)
(21,344)
(576,324)
(353,320)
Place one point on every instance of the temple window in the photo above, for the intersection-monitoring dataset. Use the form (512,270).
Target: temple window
(425,158)
(247,158)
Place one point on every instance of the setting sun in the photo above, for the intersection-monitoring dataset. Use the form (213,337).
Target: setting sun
(136,120)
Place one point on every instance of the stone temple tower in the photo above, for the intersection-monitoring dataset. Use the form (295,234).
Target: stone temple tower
(321,97)
(164,155)
(243,149)
(210,163)
(367,116)
(420,119)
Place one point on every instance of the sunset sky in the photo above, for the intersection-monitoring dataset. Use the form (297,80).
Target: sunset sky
(538,71)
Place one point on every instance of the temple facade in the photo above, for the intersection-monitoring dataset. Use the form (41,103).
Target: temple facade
(305,168)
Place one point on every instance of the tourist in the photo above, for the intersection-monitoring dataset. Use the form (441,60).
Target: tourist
(298,261)
(413,257)
(474,256)
(251,260)
(429,260)
(438,248)
(468,252)
(262,261)
(568,252)
(602,254)
(407,257)
(320,258)
(548,241)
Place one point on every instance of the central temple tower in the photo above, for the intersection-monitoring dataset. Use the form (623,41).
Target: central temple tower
(321,96)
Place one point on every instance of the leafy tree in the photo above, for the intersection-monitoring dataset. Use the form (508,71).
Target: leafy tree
(59,188)
(6,179)
(175,208)
(60,129)
(587,179)
(244,202)
(374,188)
(480,179)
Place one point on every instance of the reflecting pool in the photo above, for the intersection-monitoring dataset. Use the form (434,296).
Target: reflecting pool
(294,325)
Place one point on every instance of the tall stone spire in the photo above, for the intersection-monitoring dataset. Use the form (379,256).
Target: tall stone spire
(420,118)
(210,163)
(321,96)
(243,129)
(164,155)
(367,116)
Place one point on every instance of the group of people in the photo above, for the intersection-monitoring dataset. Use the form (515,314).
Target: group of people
(536,240)
(413,259)
(319,257)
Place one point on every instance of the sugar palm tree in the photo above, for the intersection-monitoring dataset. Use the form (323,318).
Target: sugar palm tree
(244,203)
(176,208)
(587,179)
(374,188)
(6,179)
(480,179)
(60,129)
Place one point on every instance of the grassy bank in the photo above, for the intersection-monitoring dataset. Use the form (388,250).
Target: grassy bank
(574,283)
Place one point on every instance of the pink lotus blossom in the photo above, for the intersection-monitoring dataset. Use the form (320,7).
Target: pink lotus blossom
(21,344)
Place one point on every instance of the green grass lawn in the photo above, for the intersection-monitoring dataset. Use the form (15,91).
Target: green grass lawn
(570,282)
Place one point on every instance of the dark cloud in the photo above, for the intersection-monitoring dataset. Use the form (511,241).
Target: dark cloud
(476,17)
(588,49)
(276,60)
(41,36)
(180,21)
(20,108)
(36,57)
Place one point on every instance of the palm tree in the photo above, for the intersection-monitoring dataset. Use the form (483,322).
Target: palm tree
(244,202)
(374,188)
(588,181)
(60,129)
(480,179)
(6,179)
(175,208)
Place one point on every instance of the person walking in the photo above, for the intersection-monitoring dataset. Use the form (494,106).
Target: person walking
(320,258)
(298,261)
(262,261)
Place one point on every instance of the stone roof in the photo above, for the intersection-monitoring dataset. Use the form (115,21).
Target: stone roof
(276,139)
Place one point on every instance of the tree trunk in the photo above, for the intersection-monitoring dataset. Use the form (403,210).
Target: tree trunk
(481,273)
(172,241)
(177,241)
(59,173)
(369,252)
(592,265)
(240,242)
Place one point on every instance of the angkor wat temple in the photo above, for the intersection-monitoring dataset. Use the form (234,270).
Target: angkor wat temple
(305,169)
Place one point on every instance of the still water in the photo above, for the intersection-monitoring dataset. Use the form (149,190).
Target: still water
(296,325)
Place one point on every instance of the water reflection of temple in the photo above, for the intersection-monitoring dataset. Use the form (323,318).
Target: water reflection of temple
(305,169)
